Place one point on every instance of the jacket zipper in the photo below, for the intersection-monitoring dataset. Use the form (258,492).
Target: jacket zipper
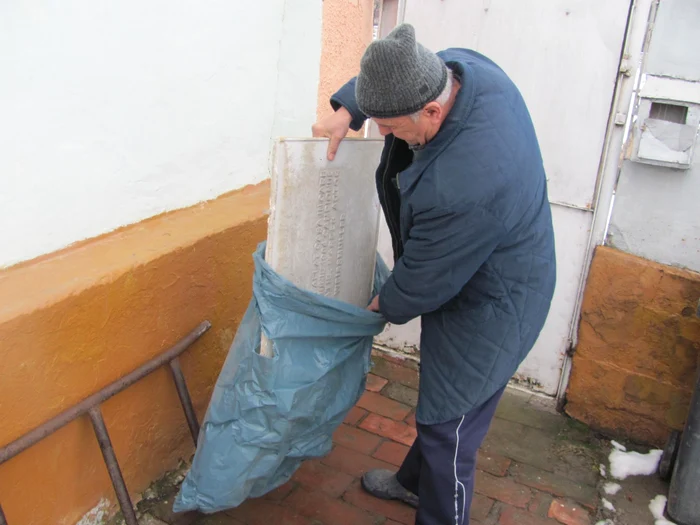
(392,227)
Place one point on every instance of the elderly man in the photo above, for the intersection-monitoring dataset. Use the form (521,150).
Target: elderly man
(464,193)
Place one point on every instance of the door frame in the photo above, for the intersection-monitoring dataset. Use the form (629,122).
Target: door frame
(610,165)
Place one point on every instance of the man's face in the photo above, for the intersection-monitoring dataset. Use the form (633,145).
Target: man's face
(404,128)
(414,132)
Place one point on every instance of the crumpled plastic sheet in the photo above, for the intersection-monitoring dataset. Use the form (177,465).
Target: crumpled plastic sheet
(267,415)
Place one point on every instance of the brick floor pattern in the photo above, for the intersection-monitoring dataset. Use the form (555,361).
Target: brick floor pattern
(518,481)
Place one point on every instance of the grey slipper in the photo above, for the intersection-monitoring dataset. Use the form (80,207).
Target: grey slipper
(383,484)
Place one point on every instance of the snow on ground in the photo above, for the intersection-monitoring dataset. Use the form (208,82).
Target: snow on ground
(657,506)
(618,446)
(624,464)
(608,505)
(612,488)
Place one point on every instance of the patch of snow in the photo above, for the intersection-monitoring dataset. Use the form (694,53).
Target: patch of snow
(602,470)
(618,446)
(97,515)
(612,488)
(657,506)
(608,505)
(624,464)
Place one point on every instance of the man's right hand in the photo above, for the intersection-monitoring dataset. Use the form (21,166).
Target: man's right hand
(334,127)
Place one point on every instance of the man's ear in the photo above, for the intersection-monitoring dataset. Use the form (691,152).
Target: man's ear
(433,111)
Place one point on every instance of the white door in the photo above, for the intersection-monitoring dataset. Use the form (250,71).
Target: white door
(565,57)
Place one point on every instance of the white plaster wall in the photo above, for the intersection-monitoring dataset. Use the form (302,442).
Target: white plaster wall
(675,40)
(112,112)
(657,214)
(657,209)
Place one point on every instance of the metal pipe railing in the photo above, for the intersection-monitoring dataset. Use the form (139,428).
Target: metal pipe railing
(185,400)
(91,406)
(115,473)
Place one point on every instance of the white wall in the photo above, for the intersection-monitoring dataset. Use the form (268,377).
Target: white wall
(657,214)
(657,209)
(112,112)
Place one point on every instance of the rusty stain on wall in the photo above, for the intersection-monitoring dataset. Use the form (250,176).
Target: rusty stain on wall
(638,351)
(74,322)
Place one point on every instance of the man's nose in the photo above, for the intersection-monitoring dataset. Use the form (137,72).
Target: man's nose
(383,130)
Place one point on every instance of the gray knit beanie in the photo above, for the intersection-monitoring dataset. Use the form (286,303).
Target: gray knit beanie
(398,76)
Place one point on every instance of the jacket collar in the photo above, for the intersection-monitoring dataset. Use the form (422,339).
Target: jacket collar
(453,124)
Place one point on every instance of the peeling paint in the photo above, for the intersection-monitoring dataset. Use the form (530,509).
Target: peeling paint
(667,142)
(529,382)
(98,515)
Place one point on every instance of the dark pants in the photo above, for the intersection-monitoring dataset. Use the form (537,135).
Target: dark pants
(441,464)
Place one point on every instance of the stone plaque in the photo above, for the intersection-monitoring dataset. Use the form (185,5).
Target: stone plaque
(324,217)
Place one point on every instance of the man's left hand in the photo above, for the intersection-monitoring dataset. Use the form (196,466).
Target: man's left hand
(374,305)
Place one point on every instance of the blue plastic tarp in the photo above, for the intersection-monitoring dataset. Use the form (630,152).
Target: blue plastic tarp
(267,415)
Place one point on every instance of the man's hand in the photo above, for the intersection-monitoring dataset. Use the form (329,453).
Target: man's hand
(335,127)
(374,305)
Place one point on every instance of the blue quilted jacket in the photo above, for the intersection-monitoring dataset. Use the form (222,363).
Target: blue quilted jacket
(472,235)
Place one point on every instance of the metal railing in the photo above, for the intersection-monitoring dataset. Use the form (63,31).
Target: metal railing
(91,407)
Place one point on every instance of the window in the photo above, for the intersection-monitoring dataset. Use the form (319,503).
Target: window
(668,112)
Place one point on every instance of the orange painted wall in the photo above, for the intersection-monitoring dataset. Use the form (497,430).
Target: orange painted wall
(638,353)
(347,31)
(75,321)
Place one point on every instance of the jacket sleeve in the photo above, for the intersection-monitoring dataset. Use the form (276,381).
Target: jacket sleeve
(444,250)
(345,97)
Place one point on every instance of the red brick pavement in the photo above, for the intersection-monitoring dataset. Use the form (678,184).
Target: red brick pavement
(377,434)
